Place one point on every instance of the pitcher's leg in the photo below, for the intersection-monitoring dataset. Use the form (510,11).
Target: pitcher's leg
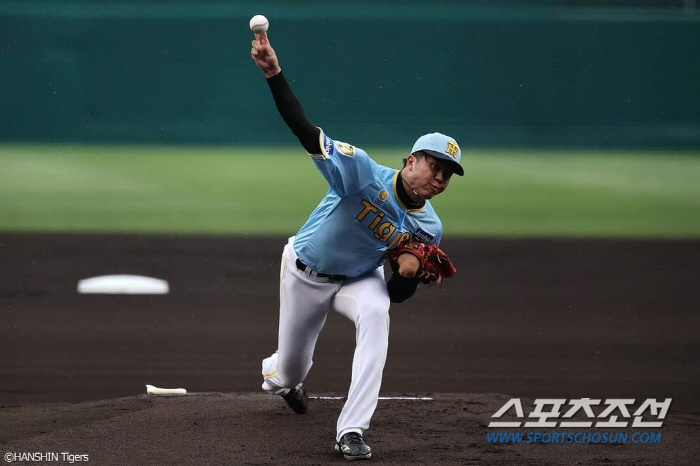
(304,305)
(366,303)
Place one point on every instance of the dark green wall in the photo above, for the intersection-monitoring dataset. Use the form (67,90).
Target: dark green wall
(164,71)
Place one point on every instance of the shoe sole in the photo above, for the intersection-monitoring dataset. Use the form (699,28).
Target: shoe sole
(356,457)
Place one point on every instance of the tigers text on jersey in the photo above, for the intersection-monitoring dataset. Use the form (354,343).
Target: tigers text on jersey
(361,215)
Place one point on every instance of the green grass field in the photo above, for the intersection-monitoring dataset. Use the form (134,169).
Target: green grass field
(272,190)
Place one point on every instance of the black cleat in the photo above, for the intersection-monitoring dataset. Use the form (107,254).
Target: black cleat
(297,399)
(353,447)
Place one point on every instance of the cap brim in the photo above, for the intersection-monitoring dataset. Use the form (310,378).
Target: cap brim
(456,167)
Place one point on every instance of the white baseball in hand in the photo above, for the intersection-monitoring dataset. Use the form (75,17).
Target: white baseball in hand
(259,23)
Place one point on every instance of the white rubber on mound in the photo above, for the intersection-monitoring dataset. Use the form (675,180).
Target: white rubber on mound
(409,398)
(156,391)
(123,284)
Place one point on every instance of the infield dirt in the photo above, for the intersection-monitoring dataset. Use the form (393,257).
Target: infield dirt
(537,318)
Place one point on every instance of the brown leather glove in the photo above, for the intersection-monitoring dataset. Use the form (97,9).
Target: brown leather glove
(434,263)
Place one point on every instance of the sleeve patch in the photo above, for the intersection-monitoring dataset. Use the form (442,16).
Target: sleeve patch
(345,149)
(424,236)
(327,145)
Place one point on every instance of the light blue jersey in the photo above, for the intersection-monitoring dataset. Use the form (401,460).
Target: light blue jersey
(361,216)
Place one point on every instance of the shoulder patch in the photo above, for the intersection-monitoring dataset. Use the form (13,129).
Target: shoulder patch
(327,145)
(345,148)
(424,236)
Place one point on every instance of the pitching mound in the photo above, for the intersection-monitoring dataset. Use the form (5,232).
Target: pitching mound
(226,429)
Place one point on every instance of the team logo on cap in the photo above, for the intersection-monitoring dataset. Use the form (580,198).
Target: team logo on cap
(452,148)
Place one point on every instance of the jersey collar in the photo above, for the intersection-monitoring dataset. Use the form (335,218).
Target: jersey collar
(394,182)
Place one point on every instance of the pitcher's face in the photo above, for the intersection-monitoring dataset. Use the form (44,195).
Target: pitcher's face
(428,176)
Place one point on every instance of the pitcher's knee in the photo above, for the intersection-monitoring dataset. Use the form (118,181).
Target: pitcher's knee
(375,318)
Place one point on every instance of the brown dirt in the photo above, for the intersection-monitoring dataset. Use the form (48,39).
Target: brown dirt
(533,318)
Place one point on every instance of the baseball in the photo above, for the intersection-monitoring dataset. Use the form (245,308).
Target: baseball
(259,23)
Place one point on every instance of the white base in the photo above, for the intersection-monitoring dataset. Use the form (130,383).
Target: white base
(123,284)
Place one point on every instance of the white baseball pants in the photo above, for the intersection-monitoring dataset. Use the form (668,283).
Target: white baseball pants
(305,301)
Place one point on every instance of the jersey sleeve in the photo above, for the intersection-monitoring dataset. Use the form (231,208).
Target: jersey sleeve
(438,229)
(429,231)
(346,168)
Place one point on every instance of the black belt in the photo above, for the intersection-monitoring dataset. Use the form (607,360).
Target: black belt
(303,268)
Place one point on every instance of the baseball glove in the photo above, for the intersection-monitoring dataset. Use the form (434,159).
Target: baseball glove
(434,264)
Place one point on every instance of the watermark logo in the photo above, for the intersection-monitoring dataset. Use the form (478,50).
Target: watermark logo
(612,413)
(45,457)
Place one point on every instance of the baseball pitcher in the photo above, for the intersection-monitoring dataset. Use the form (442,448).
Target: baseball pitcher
(335,261)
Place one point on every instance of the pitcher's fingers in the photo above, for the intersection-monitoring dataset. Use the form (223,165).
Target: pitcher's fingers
(262,37)
(258,47)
